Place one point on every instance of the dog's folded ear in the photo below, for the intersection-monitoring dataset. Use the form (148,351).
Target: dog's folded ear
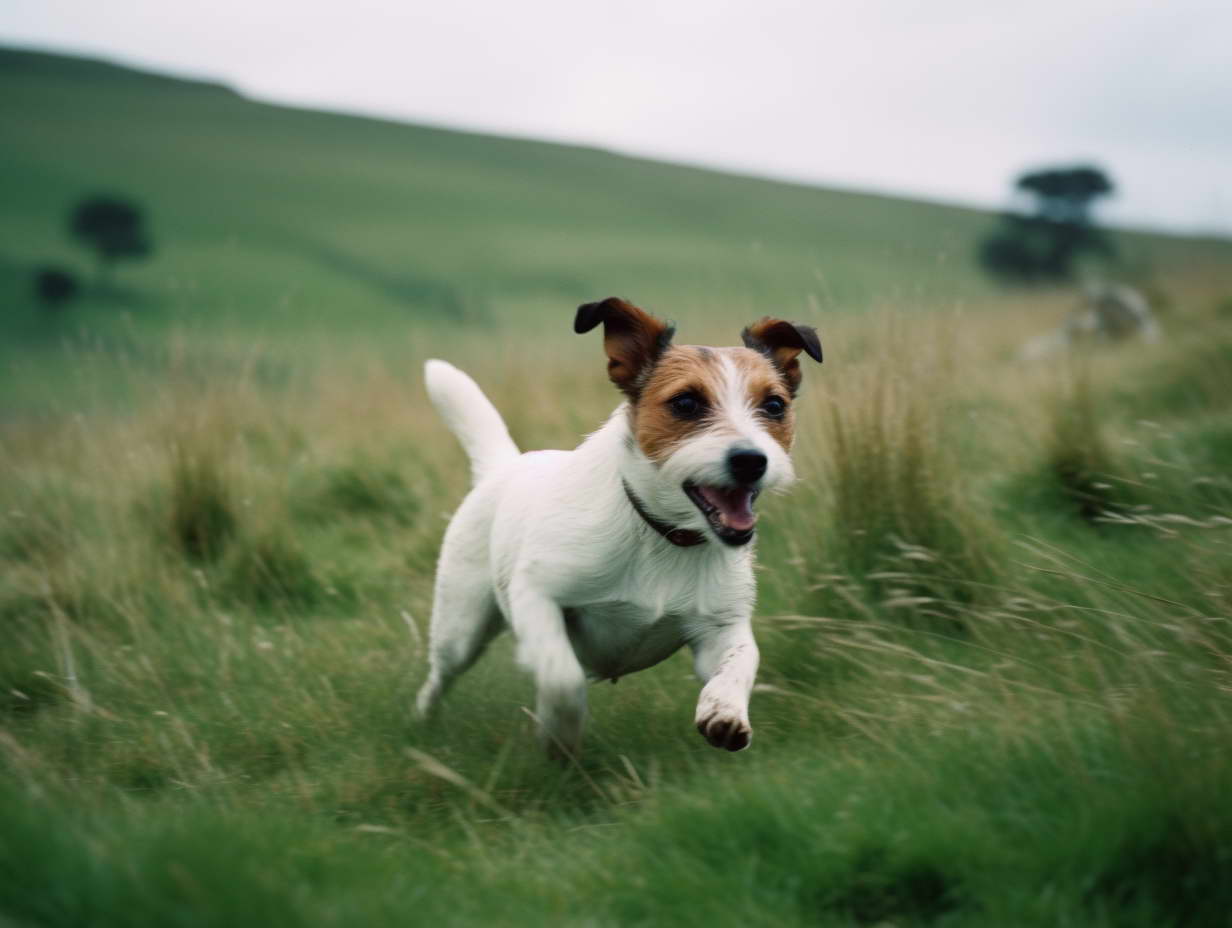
(632,338)
(782,342)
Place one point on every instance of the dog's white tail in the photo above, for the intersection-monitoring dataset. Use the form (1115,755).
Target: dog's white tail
(470,416)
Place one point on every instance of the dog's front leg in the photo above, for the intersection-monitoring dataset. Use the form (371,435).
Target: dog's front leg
(560,683)
(725,658)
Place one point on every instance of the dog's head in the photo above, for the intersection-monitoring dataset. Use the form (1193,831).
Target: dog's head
(711,427)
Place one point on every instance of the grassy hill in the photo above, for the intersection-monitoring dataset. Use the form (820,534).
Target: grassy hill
(278,218)
(272,212)
(312,231)
(995,615)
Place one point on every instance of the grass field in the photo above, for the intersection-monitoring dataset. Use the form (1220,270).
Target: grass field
(994,615)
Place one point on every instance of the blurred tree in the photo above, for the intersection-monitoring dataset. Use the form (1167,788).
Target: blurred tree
(54,286)
(1044,244)
(114,228)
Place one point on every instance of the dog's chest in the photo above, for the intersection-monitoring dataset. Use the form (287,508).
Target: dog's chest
(649,603)
(618,638)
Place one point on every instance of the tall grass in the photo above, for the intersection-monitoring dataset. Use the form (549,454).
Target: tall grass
(200,512)
(892,477)
(975,706)
(1077,452)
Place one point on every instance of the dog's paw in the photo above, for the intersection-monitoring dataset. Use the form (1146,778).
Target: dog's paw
(561,721)
(725,729)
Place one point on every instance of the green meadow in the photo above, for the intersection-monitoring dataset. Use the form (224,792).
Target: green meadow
(995,613)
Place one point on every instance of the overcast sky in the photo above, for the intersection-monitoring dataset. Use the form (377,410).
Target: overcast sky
(946,100)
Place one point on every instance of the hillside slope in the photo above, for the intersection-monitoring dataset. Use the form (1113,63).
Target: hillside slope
(269,214)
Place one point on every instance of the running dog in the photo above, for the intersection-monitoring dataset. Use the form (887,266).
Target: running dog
(607,559)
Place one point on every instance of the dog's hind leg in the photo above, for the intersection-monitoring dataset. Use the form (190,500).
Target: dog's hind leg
(465,619)
(560,683)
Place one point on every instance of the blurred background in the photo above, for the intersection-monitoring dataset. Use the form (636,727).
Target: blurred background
(995,615)
(387,169)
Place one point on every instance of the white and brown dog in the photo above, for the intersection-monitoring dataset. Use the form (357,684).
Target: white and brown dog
(607,559)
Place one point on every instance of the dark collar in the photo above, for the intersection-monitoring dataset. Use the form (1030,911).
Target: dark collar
(680,537)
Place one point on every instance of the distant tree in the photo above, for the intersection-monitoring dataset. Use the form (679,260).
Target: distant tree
(55,286)
(113,228)
(1066,194)
(1045,244)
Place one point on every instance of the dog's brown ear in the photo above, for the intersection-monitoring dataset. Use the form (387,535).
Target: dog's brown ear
(782,343)
(632,338)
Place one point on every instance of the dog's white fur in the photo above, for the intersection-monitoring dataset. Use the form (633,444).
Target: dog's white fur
(548,543)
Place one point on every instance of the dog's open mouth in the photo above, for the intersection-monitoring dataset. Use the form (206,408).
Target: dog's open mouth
(729,510)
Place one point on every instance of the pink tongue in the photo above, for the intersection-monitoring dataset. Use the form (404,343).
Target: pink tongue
(735,506)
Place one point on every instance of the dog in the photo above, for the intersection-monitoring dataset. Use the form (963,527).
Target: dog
(607,559)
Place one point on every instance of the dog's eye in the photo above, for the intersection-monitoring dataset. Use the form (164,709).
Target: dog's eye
(774,407)
(686,406)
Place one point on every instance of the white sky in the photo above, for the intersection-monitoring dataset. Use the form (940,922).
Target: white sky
(946,99)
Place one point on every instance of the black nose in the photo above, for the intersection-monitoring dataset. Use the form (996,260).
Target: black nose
(746,466)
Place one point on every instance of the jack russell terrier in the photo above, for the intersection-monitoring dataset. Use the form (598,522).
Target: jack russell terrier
(607,559)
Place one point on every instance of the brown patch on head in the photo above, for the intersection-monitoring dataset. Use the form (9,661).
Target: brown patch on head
(680,371)
(706,375)
(782,342)
(633,339)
